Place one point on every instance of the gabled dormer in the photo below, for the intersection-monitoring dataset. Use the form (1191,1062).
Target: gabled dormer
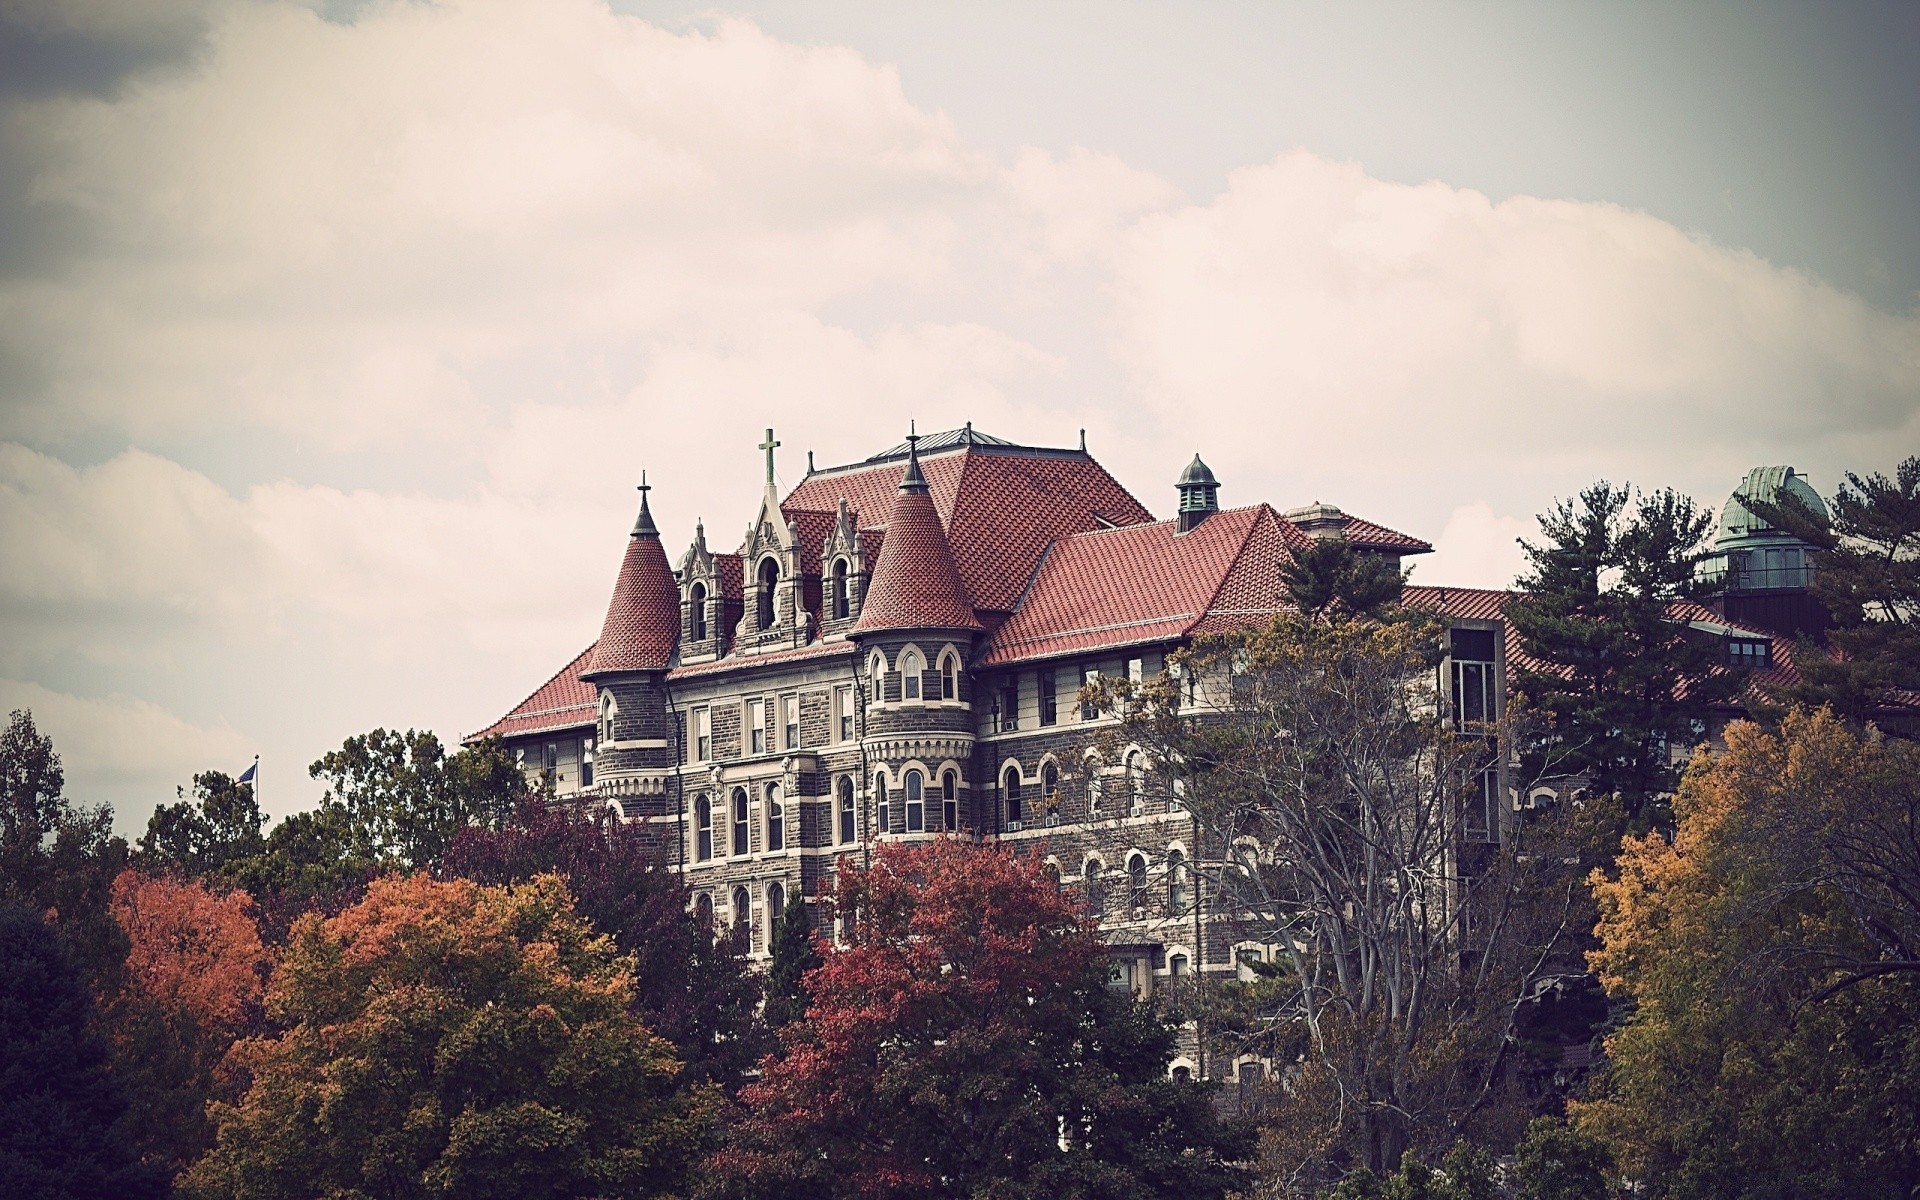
(844,571)
(709,599)
(775,577)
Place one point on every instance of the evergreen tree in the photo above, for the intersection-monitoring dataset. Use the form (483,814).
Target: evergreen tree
(1330,577)
(60,1109)
(793,957)
(1867,574)
(1622,681)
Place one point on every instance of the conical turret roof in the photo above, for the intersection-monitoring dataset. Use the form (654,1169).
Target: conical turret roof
(642,628)
(915,584)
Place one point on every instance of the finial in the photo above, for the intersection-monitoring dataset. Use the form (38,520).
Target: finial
(913,480)
(1083,441)
(809,462)
(643,525)
(769,446)
(969,433)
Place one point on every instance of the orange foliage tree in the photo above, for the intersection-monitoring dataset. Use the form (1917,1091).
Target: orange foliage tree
(1771,951)
(442,1038)
(193,982)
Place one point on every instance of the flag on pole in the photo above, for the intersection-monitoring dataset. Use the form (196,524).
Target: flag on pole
(246,776)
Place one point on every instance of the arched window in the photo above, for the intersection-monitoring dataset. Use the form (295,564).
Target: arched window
(1010,789)
(1050,792)
(1096,785)
(1053,873)
(776,819)
(911,669)
(1137,882)
(1136,781)
(703,821)
(1176,883)
(916,802)
(1096,886)
(1176,965)
(846,810)
(742,907)
(607,708)
(703,912)
(841,603)
(949,676)
(769,582)
(739,820)
(776,904)
(876,675)
(950,800)
(882,823)
(697,606)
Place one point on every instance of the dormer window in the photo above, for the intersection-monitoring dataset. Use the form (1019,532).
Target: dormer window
(769,582)
(697,605)
(841,601)
(1752,654)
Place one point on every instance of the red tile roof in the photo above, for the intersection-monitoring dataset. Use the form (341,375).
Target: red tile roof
(562,702)
(1001,506)
(915,584)
(1142,584)
(642,629)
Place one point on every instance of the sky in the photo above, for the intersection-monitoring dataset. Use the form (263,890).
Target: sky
(334,336)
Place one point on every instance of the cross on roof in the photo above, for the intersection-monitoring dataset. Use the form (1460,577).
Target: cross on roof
(769,446)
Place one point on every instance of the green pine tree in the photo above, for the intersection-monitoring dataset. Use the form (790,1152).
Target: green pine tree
(1621,682)
(793,957)
(60,1109)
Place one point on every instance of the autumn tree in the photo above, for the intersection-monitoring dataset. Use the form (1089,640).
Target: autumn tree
(1348,824)
(441,1038)
(966,1042)
(1867,574)
(691,986)
(1771,952)
(194,979)
(60,1107)
(1619,680)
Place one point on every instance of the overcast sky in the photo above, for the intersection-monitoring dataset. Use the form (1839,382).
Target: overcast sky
(333,337)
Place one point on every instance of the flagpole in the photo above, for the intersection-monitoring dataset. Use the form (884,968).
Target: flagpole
(256,783)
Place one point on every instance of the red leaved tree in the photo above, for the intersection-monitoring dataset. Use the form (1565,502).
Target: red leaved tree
(194,981)
(966,1042)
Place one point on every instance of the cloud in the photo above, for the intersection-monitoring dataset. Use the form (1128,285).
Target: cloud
(328,387)
(1477,548)
(110,742)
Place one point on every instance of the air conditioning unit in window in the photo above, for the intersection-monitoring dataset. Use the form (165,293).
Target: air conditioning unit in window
(1015,826)
(1139,809)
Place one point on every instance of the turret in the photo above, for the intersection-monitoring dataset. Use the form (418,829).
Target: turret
(916,633)
(638,641)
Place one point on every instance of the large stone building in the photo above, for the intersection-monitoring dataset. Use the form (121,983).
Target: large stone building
(895,650)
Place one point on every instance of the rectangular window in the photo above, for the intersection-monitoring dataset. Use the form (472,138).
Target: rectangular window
(790,722)
(1049,696)
(1089,675)
(950,801)
(1136,669)
(1751,654)
(702,734)
(1010,703)
(1474,686)
(550,762)
(586,763)
(756,727)
(1482,802)
(843,711)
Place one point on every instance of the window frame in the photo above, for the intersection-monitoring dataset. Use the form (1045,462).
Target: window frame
(756,722)
(774,815)
(703,828)
(882,804)
(950,800)
(738,812)
(912,675)
(845,827)
(913,785)
(697,611)
(1011,780)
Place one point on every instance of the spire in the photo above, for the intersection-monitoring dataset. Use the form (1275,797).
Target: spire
(642,628)
(913,480)
(643,524)
(915,585)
